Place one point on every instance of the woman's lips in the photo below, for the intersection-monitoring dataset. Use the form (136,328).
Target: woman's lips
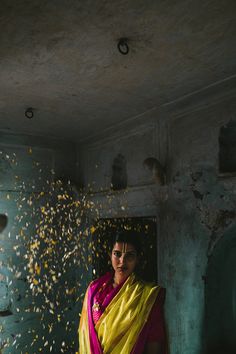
(122,269)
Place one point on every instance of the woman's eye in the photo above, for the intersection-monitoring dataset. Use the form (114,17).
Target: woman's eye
(131,256)
(117,254)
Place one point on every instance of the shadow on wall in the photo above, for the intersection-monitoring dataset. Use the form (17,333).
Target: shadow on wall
(3,224)
(220,321)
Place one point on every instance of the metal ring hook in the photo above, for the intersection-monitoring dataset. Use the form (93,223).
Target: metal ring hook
(122,46)
(29,113)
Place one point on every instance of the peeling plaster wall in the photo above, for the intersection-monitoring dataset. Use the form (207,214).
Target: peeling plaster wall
(199,207)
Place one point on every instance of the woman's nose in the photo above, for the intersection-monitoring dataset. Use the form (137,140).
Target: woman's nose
(122,259)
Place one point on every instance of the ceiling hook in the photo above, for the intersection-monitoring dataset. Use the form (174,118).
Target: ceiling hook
(122,46)
(29,113)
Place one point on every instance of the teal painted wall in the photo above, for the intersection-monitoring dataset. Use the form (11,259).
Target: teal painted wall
(199,208)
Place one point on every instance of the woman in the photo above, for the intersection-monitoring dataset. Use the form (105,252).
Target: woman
(122,314)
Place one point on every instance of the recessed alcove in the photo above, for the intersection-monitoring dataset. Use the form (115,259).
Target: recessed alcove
(119,173)
(221,297)
(227,149)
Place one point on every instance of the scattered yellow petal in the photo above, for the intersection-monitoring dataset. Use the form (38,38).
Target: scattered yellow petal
(93,229)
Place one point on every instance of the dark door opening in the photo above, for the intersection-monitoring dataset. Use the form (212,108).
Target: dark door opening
(146,227)
(221,298)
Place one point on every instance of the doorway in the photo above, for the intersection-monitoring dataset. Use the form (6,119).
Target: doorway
(221,297)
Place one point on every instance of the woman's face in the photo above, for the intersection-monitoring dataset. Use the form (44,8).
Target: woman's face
(124,259)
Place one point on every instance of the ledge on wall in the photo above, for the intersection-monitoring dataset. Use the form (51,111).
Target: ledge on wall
(141,200)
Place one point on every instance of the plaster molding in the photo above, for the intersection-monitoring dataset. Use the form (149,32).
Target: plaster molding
(201,99)
(118,134)
(130,124)
(206,96)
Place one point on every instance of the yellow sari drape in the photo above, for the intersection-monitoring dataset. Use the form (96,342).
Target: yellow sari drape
(122,321)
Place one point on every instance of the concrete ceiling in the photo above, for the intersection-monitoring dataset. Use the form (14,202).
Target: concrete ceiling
(60,57)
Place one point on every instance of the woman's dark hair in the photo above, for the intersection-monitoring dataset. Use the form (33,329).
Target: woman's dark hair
(128,236)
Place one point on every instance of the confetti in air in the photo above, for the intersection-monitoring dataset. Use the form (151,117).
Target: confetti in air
(44,258)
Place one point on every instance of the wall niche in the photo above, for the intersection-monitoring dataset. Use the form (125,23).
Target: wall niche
(227,149)
(119,173)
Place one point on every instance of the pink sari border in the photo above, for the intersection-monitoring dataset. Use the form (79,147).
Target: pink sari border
(95,345)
